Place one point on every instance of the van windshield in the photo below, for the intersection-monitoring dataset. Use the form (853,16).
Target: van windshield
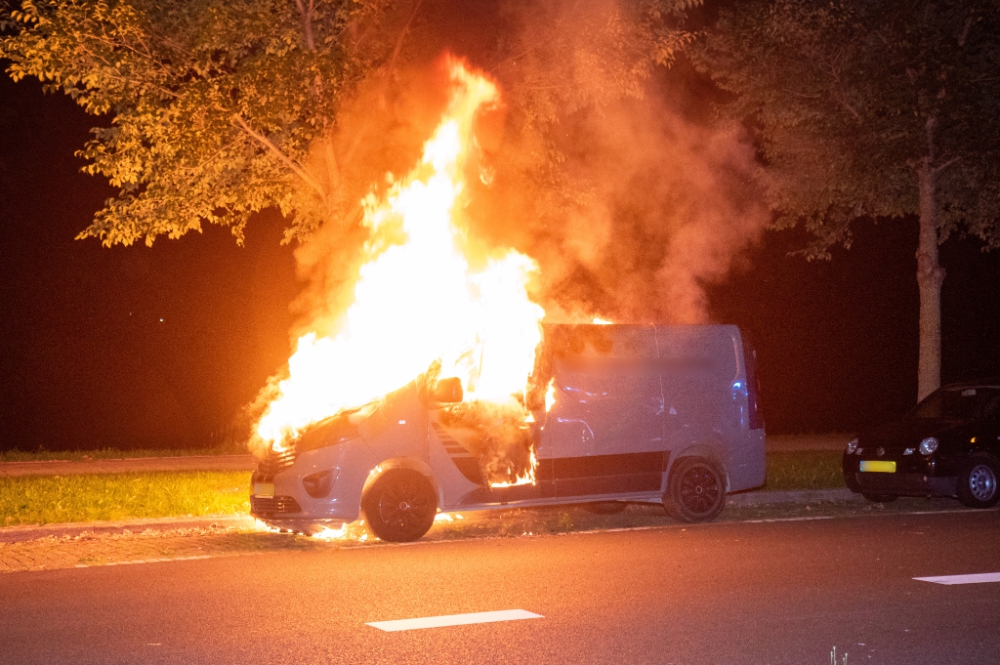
(958,404)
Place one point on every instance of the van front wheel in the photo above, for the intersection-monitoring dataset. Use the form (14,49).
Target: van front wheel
(696,491)
(399,507)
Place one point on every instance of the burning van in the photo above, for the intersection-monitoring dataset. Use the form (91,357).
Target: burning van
(627,413)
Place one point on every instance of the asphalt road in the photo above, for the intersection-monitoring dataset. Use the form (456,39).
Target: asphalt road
(755,593)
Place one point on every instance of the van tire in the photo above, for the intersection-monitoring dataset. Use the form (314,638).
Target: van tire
(696,491)
(400,506)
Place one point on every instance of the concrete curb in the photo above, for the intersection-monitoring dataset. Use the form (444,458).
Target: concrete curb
(17,534)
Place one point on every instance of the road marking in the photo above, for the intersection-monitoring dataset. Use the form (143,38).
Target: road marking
(975,578)
(453,620)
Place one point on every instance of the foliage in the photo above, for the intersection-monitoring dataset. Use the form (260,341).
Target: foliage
(211,105)
(850,99)
(215,109)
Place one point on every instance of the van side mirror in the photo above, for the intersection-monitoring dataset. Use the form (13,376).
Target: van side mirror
(448,391)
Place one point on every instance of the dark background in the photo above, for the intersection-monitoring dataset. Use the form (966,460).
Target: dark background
(165,346)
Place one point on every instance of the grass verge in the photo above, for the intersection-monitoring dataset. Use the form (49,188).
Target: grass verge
(805,470)
(116,453)
(117,496)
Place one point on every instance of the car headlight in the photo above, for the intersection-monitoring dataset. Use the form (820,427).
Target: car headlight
(852,445)
(928,445)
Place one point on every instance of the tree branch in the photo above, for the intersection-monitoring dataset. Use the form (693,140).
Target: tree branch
(285,159)
(307,14)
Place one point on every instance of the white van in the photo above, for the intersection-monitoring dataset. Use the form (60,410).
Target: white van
(661,414)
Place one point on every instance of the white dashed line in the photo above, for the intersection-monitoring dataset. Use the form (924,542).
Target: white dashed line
(453,620)
(975,578)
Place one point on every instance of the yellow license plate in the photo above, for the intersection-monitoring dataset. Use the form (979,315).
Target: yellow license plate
(876,466)
(264,490)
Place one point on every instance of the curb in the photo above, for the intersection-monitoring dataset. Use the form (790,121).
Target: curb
(17,534)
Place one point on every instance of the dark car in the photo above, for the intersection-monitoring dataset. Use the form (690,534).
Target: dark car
(948,445)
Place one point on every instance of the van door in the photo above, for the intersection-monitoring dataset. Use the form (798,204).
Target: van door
(604,431)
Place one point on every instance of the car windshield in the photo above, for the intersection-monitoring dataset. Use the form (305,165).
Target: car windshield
(958,404)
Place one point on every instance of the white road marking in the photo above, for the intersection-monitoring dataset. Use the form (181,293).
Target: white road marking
(453,620)
(975,578)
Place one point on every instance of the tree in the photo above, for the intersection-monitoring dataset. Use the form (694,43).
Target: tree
(216,109)
(886,108)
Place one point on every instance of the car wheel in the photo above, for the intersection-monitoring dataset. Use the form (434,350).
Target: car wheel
(400,506)
(880,498)
(977,485)
(696,491)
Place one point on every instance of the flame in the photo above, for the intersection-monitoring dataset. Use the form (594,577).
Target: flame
(601,322)
(525,478)
(448,517)
(550,395)
(417,301)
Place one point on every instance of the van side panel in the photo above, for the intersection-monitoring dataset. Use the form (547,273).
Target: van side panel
(705,391)
(604,432)
(699,366)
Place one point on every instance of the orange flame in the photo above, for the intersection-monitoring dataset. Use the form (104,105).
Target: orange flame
(525,478)
(416,299)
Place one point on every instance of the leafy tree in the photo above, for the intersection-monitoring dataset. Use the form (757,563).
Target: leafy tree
(215,109)
(868,109)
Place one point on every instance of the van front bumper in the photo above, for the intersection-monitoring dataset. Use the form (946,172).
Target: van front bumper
(280,499)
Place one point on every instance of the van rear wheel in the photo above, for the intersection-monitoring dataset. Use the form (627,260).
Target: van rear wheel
(400,506)
(696,491)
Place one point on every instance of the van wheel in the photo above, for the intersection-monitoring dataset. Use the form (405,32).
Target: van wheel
(977,484)
(400,506)
(696,491)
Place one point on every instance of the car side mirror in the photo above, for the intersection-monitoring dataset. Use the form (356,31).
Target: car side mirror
(448,391)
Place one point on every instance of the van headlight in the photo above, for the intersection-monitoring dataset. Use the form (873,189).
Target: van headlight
(928,445)
(319,484)
(852,445)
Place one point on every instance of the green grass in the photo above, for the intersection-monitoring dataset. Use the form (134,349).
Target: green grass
(116,496)
(804,470)
(117,453)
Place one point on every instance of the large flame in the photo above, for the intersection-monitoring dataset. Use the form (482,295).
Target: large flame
(416,299)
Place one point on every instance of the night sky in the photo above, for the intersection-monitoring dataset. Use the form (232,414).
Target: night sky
(164,346)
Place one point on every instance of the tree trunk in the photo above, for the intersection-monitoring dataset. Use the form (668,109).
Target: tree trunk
(930,275)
